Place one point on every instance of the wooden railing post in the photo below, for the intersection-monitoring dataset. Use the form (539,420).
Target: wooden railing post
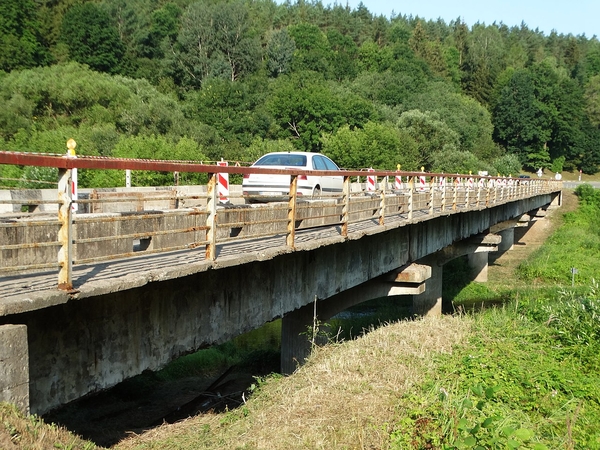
(65,234)
(291,224)
(211,219)
(431,195)
(443,181)
(455,182)
(346,207)
(411,188)
(384,182)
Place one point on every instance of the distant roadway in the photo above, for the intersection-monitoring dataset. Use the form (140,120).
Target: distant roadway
(574,184)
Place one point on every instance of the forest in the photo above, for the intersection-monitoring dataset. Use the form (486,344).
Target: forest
(234,79)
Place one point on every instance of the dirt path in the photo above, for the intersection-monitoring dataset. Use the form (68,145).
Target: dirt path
(502,266)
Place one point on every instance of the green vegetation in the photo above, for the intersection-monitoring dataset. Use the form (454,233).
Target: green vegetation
(199,81)
(574,246)
(526,378)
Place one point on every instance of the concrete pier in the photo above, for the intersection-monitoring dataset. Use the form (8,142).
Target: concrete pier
(14,366)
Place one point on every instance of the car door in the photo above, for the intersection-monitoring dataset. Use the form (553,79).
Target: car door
(329,184)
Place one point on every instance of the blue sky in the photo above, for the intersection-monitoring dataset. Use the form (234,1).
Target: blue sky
(565,16)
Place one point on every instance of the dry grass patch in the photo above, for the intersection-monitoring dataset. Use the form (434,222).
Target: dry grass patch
(345,397)
(20,432)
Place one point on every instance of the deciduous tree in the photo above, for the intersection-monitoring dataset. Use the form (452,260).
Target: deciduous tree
(92,38)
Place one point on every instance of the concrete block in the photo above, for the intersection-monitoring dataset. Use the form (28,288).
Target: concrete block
(51,197)
(414,273)
(407,289)
(14,366)
(5,207)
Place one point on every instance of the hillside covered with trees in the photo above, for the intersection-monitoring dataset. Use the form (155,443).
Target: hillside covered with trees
(205,80)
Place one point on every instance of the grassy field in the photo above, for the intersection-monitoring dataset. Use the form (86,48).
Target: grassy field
(520,371)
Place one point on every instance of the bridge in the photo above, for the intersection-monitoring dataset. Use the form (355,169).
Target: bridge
(100,286)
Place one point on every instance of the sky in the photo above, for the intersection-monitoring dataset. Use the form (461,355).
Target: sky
(574,17)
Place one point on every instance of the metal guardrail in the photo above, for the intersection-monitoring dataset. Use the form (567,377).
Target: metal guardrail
(410,195)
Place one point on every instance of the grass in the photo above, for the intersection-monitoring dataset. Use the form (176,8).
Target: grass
(339,399)
(517,366)
(20,432)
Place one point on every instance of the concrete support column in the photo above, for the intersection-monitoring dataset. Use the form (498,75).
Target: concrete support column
(429,303)
(508,239)
(478,262)
(295,338)
(14,366)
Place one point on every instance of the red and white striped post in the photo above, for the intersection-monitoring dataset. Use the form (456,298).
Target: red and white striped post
(398,183)
(422,180)
(223,183)
(371,180)
(398,180)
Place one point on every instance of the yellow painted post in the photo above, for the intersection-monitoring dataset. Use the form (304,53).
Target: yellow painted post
(431,195)
(346,208)
(382,201)
(65,217)
(411,188)
(291,224)
(455,196)
(211,219)
(443,181)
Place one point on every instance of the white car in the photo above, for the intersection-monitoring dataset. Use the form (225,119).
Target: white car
(266,187)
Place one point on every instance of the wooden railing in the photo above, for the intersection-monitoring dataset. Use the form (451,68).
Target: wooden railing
(31,241)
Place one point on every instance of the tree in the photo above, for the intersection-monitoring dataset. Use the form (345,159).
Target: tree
(305,107)
(312,49)
(471,121)
(519,123)
(215,40)
(483,62)
(280,52)
(455,161)
(380,146)
(345,51)
(20,41)
(236,109)
(592,100)
(92,38)
(506,165)
(431,134)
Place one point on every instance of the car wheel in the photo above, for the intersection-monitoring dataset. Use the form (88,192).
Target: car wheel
(316,194)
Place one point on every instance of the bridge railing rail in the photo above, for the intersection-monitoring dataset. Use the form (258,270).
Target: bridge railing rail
(174,218)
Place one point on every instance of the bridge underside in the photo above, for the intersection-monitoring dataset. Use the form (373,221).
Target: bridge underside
(94,343)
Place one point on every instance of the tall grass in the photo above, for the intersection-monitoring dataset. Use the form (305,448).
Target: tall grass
(527,378)
(575,245)
(529,375)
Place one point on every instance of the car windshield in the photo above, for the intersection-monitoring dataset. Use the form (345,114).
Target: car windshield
(282,160)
